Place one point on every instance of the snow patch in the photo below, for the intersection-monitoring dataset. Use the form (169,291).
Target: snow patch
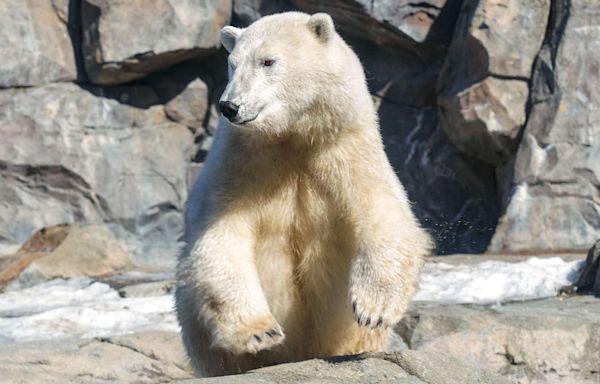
(80,308)
(83,308)
(492,282)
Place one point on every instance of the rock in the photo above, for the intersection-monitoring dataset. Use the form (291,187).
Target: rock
(152,357)
(406,367)
(74,154)
(156,288)
(588,280)
(159,33)
(552,195)
(190,106)
(484,120)
(185,93)
(483,87)
(545,341)
(64,252)
(36,47)
(390,22)
(245,12)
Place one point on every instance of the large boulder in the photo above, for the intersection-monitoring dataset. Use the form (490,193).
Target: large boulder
(483,86)
(125,40)
(552,198)
(35,44)
(547,341)
(73,154)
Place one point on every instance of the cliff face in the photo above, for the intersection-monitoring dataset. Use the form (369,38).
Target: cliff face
(490,112)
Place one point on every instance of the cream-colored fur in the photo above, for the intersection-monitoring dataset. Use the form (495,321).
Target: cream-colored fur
(300,240)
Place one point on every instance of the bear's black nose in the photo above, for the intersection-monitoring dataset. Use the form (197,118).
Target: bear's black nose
(228,109)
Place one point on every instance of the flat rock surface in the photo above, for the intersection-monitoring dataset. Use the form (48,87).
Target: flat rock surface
(144,358)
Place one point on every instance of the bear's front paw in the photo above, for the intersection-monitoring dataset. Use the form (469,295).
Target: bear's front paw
(249,337)
(377,305)
(380,294)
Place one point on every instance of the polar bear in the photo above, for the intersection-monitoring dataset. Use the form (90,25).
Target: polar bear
(299,238)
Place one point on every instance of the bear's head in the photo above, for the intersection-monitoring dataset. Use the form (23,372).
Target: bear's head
(291,72)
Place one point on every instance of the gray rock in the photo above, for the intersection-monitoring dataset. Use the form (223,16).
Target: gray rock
(190,106)
(483,87)
(552,198)
(546,341)
(85,155)
(36,48)
(160,33)
(153,357)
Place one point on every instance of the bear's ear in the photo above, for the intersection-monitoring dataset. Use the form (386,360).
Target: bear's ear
(229,36)
(322,26)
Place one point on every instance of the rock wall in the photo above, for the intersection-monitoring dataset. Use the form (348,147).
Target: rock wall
(489,112)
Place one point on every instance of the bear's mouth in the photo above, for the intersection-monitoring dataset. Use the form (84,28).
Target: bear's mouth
(247,120)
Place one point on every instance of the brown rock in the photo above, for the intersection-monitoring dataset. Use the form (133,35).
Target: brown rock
(64,252)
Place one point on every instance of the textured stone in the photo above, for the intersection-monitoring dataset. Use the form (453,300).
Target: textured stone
(85,155)
(483,87)
(36,48)
(159,33)
(553,202)
(83,251)
(546,341)
(152,357)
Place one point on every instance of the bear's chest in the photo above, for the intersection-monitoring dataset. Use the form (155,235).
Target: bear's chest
(301,218)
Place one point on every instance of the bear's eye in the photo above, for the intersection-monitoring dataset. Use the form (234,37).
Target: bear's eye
(268,62)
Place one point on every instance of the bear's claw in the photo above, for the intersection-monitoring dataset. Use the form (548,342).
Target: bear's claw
(250,337)
(366,321)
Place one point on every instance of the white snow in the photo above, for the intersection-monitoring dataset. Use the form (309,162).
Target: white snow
(79,308)
(492,282)
(83,308)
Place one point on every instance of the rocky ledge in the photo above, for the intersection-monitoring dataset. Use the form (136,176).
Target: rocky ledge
(553,340)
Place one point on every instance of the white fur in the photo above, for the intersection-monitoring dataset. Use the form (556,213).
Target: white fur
(297,215)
